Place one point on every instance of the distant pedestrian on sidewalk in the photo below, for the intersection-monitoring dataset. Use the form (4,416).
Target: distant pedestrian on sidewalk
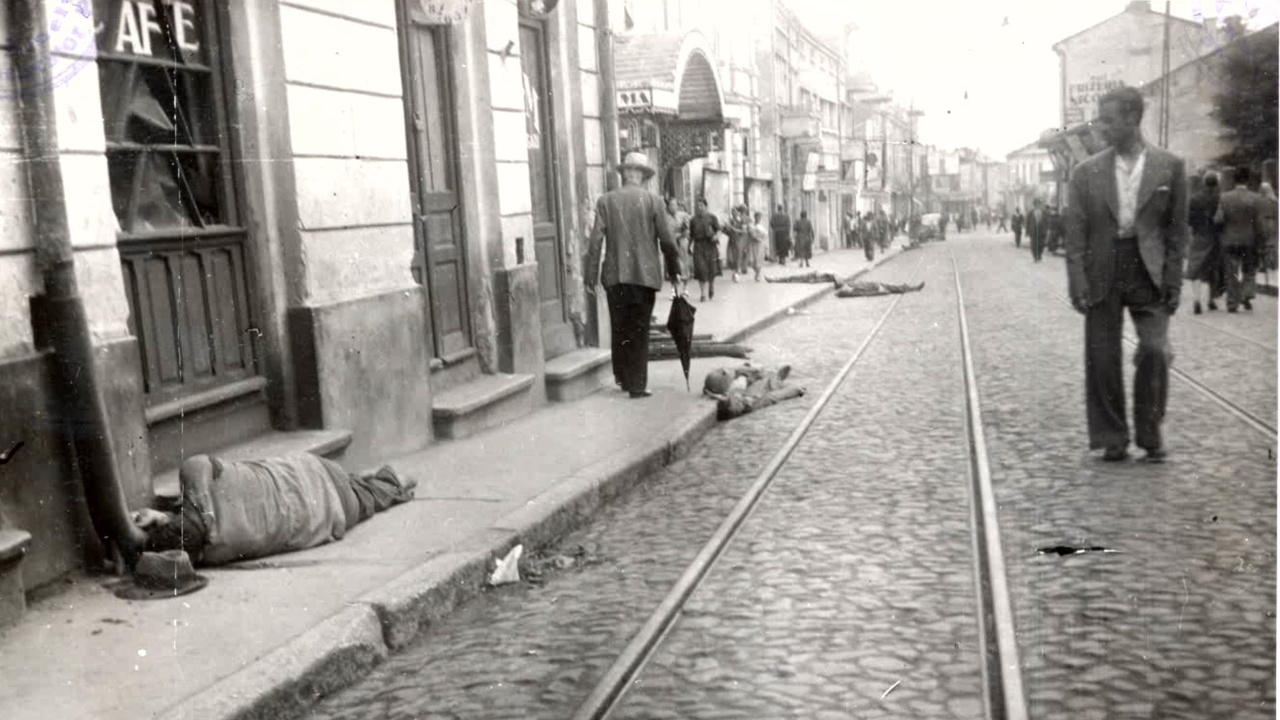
(1003,225)
(1037,230)
(678,218)
(1016,222)
(704,229)
(1204,256)
(759,236)
(1126,240)
(735,237)
(780,226)
(631,228)
(804,239)
(1242,218)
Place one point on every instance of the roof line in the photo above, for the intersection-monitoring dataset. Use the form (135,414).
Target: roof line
(1113,17)
(1216,51)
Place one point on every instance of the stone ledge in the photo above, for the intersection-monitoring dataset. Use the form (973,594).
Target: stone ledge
(575,363)
(273,444)
(481,392)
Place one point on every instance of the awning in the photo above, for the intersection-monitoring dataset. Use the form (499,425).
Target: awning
(668,74)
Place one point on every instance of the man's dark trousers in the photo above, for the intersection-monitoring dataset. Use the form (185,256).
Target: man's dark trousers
(1132,288)
(1240,264)
(630,312)
(1037,245)
(1017,237)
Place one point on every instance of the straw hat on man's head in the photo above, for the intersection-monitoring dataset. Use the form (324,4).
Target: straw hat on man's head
(636,160)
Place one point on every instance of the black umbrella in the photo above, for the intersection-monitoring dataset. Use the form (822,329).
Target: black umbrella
(680,325)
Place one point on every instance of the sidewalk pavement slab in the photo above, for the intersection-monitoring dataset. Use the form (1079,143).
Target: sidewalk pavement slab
(268,637)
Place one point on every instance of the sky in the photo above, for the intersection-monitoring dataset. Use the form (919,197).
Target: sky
(984,72)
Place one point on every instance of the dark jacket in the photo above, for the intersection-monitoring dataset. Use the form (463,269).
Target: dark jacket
(1241,213)
(632,226)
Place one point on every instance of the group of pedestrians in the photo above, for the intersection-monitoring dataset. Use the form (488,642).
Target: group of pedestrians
(869,231)
(747,243)
(1045,228)
(1233,234)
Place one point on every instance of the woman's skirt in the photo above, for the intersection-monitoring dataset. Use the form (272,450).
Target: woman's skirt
(1204,259)
(706,260)
(804,248)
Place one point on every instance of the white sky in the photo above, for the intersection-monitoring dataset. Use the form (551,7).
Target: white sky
(984,71)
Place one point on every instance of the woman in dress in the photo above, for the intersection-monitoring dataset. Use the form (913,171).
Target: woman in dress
(759,235)
(679,221)
(1204,257)
(703,228)
(804,239)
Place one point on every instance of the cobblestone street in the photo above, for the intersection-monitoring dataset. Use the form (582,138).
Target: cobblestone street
(851,590)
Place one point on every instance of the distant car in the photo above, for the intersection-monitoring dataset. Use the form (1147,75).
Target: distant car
(929,229)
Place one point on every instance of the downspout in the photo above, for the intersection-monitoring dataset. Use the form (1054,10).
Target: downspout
(78,405)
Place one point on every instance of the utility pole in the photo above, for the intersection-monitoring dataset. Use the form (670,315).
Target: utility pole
(1164,80)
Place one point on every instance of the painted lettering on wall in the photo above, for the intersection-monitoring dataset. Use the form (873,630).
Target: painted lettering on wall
(1088,92)
(138,23)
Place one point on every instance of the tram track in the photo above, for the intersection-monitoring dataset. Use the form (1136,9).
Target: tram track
(1003,698)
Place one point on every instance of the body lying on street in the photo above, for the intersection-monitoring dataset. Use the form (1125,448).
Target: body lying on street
(745,388)
(229,511)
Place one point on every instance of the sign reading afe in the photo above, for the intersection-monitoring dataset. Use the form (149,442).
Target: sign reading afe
(136,25)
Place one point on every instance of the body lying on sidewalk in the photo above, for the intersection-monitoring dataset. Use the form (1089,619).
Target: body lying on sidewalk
(239,510)
(745,388)
(865,288)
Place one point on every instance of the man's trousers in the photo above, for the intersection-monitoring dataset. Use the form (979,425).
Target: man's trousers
(1131,288)
(1240,265)
(630,312)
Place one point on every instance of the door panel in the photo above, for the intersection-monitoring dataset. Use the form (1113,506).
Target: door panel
(541,139)
(440,260)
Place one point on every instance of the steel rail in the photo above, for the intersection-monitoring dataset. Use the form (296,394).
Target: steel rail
(1236,335)
(1248,418)
(1006,699)
(611,688)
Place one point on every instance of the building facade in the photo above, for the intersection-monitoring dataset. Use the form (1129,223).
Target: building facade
(341,227)
(1032,175)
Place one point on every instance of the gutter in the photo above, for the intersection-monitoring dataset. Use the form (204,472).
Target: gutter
(78,407)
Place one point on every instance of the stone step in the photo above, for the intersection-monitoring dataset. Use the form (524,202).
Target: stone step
(577,373)
(13,594)
(485,402)
(326,443)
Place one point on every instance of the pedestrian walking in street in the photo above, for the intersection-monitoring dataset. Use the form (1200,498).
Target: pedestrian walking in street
(1241,216)
(1003,224)
(943,219)
(1268,259)
(1016,222)
(1056,231)
(632,229)
(758,236)
(867,231)
(1037,230)
(1204,256)
(780,226)
(679,222)
(804,239)
(1126,238)
(704,231)
(850,230)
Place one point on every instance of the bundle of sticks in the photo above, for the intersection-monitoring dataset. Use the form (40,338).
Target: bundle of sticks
(663,347)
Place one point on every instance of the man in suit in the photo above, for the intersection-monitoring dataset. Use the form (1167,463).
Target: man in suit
(1016,222)
(1240,215)
(1126,240)
(1037,229)
(632,226)
(780,226)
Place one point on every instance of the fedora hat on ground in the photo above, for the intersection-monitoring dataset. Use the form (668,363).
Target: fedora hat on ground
(638,161)
(162,575)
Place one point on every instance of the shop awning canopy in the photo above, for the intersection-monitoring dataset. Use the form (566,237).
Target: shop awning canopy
(670,73)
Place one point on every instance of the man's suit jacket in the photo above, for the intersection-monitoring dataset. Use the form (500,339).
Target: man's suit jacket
(634,223)
(1037,224)
(1241,210)
(1093,212)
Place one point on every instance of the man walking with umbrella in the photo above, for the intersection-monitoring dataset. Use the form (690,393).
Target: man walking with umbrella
(632,227)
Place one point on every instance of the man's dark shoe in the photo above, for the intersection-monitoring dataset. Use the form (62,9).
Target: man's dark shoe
(1213,305)
(1116,453)
(1196,308)
(1247,305)
(640,394)
(1231,309)
(1156,455)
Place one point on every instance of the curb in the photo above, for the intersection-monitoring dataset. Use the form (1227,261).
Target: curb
(1267,290)
(780,314)
(289,680)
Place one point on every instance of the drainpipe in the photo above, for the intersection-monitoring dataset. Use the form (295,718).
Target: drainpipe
(78,404)
(609,98)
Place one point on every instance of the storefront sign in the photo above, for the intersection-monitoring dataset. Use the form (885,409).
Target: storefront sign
(138,27)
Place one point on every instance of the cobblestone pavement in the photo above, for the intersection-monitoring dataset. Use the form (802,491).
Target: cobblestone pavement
(866,608)
(1178,622)
(536,651)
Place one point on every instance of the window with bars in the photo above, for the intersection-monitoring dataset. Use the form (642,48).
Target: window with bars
(168,162)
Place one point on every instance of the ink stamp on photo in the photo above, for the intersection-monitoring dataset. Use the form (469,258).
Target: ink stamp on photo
(68,38)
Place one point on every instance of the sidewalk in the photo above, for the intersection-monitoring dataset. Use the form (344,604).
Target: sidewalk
(266,637)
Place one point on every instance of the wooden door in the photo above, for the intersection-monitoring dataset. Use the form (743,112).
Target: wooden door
(541,139)
(440,257)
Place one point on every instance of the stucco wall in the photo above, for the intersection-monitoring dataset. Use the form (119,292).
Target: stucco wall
(1193,132)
